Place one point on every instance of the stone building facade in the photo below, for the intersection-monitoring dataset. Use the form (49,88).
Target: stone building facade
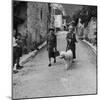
(90,32)
(37,21)
(35,26)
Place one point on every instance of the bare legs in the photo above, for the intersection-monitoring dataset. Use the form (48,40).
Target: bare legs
(50,61)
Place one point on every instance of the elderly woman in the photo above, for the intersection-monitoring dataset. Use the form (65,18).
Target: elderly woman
(71,40)
(51,45)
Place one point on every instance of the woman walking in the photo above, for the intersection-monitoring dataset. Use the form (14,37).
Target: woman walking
(51,45)
(71,40)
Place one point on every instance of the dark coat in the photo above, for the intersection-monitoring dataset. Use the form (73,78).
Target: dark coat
(71,44)
(51,44)
(51,41)
(17,51)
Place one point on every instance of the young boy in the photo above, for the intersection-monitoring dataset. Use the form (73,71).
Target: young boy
(17,51)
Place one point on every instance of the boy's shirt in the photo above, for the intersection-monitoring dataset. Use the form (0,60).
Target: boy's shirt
(14,42)
(19,42)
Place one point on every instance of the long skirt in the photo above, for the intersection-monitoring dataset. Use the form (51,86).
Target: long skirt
(51,53)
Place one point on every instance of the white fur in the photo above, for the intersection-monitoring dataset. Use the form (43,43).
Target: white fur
(68,57)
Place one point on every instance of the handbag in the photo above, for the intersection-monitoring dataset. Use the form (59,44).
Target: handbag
(56,53)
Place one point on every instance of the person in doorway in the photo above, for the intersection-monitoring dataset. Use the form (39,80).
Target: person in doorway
(17,51)
(51,45)
(71,40)
(14,48)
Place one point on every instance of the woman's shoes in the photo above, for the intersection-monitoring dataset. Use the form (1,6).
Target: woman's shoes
(73,61)
(54,62)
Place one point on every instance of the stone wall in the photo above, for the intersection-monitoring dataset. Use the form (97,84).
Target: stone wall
(34,29)
(89,33)
(36,22)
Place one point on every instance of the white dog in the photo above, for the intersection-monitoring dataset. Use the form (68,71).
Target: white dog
(68,57)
